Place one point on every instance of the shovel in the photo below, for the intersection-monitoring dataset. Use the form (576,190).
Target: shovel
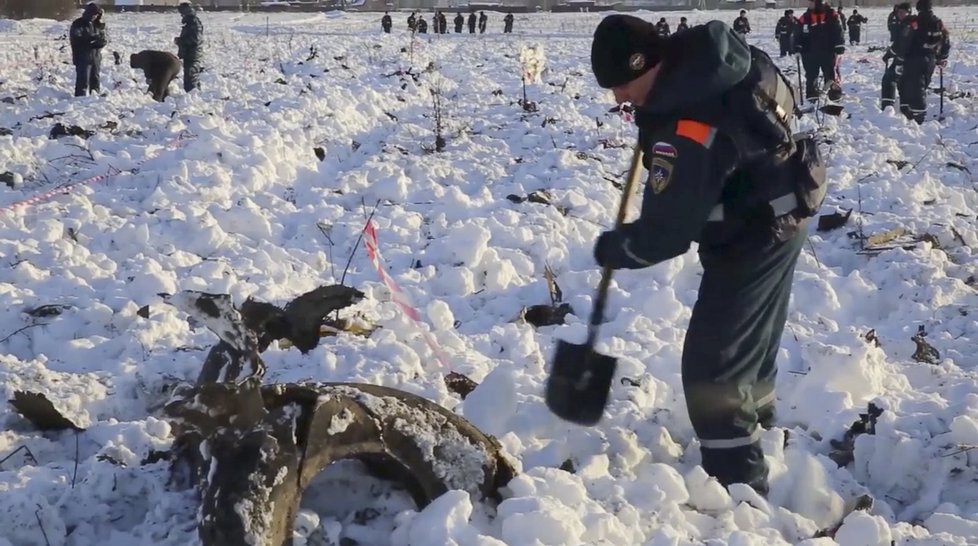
(580,378)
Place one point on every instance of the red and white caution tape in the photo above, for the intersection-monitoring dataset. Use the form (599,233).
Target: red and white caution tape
(398,296)
(68,188)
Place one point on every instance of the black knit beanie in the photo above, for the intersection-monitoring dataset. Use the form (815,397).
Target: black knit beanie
(924,5)
(624,48)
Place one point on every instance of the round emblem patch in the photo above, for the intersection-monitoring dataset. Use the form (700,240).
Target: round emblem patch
(636,61)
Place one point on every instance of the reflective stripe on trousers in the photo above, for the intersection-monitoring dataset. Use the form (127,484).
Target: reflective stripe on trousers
(730,352)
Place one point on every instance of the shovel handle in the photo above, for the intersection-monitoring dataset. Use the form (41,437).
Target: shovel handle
(601,299)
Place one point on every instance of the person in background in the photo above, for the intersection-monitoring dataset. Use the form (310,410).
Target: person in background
(87,37)
(459,21)
(741,24)
(783,31)
(923,45)
(894,23)
(442,23)
(855,24)
(683,25)
(386,23)
(483,21)
(189,45)
(891,75)
(508,23)
(819,40)
(662,28)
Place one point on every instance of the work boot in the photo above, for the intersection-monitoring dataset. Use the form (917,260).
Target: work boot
(743,464)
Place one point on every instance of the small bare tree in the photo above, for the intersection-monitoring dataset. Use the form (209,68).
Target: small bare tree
(438,109)
(439,87)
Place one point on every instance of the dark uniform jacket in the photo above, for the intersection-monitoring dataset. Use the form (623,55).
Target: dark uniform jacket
(899,36)
(923,36)
(741,25)
(87,40)
(784,27)
(856,21)
(191,37)
(682,26)
(893,25)
(662,28)
(386,21)
(705,152)
(819,32)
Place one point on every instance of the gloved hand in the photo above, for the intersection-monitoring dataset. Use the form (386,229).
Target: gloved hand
(942,63)
(839,50)
(608,248)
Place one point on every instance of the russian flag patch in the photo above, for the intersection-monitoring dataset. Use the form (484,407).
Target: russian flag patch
(664,149)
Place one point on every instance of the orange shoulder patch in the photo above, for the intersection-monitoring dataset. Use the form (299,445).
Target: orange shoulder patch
(696,131)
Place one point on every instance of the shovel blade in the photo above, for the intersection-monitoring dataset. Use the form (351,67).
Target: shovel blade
(579,382)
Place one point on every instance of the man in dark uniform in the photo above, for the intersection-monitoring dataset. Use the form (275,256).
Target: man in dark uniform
(795,24)
(189,42)
(714,119)
(741,25)
(508,23)
(483,21)
(683,25)
(923,44)
(441,22)
(783,30)
(842,15)
(662,28)
(855,24)
(386,22)
(421,25)
(820,41)
(412,21)
(891,76)
(459,21)
(87,37)
(472,23)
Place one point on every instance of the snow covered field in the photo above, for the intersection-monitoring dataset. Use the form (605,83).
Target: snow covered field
(227,198)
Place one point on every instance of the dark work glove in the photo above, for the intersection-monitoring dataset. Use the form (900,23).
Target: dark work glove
(609,251)
(608,248)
